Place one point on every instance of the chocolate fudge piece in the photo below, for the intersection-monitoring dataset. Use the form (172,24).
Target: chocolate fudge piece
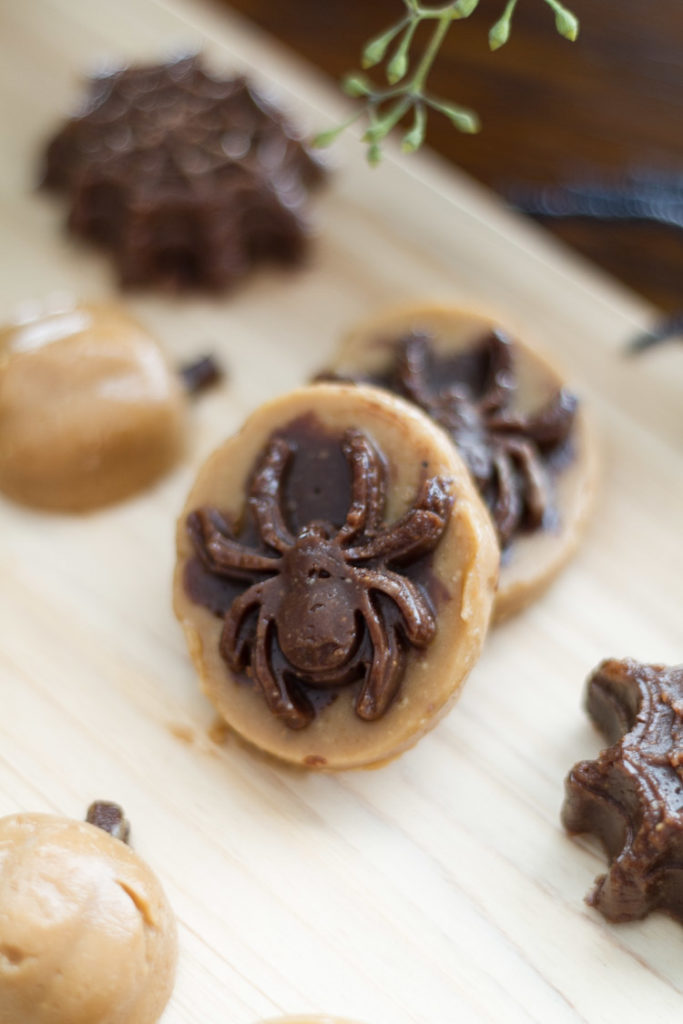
(110,818)
(188,179)
(631,796)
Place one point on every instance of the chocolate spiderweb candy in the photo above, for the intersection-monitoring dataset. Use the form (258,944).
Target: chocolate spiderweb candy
(521,432)
(631,796)
(335,576)
(188,179)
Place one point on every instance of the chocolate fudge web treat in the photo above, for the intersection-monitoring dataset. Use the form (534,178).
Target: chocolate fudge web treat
(520,430)
(187,178)
(631,796)
(335,576)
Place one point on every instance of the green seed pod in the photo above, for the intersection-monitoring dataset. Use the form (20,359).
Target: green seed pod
(464,8)
(356,85)
(376,49)
(397,67)
(567,24)
(374,154)
(414,138)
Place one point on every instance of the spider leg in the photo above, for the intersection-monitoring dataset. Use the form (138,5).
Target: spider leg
(233,648)
(272,684)
(384,675)
(264,496)
(232,645)
(549,426)
(507,507)
(220,552)
(501,376)
(552,424)
(367,488)
(536,489)
(418,531)
(411,370)
(417,617)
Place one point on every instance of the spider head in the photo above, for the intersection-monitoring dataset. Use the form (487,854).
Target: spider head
(316,625)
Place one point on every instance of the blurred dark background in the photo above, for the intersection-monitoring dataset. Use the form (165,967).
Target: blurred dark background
(598,110)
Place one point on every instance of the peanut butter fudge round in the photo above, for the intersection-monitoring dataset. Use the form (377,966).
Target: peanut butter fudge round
(335,575)
(86,933)
(522,433)
(90,410)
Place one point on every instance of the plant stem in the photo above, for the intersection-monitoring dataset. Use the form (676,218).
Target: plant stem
(448,11)
(392,48)
(429,56)
(510,9)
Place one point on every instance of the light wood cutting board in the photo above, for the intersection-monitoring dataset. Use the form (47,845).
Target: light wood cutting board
(441,888)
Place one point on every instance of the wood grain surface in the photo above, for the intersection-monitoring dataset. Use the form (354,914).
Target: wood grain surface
(606,106)
(440,888)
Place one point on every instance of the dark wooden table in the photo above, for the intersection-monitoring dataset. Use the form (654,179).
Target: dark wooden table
(552,111)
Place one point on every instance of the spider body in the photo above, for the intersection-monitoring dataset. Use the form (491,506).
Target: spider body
(315,615)
(315,583)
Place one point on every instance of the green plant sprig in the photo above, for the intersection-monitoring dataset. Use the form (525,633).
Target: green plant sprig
(385,108)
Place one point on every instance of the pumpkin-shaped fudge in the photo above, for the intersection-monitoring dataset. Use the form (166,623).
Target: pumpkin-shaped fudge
(524,436)
(335,576)
(86,933)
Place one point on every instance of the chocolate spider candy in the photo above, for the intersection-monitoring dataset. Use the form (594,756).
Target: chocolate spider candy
(335,576)
(522,433)
(631,796)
